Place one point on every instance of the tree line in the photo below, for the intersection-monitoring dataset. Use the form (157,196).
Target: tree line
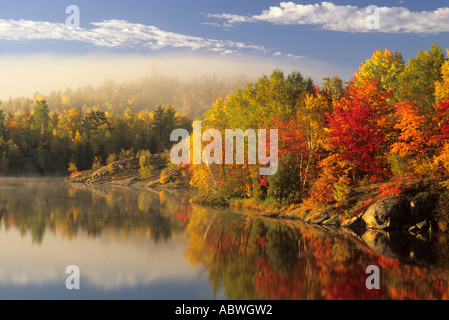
(50,142)
(389,123)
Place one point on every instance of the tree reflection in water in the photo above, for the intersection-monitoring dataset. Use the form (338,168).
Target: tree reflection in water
(256,258)
(52,205)
(245,257)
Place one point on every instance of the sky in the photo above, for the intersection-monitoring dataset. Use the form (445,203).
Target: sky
(42,48)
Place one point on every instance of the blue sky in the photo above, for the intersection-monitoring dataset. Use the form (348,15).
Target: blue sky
(246,36)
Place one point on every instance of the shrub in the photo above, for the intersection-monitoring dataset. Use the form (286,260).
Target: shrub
(212,198)
(72,168)
(126,154)
(165,178)
(399,165)
(40,159)
(442,160)
(111,158)
(4,162)
(146,170)
(321,191)
(391,189)
(97,163)
(341,191)
(260,189)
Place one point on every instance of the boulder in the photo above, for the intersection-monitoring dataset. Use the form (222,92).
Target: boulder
(388,213)
(332,221)
(320,219)
(354,223)
(312,216)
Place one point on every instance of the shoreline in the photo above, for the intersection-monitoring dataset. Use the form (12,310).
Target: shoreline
(407,239)
(366,208)
(402,244)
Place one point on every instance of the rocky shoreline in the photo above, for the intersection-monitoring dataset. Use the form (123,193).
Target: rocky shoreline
(400,227)
(126,173)
(412,212)
(394,213)
(393,226)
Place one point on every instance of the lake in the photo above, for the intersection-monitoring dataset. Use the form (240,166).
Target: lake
(140,244)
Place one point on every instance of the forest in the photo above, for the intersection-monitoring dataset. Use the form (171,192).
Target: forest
(38,141)
(389,124)
(82,127)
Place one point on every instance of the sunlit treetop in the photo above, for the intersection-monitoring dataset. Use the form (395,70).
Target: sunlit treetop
(384,67)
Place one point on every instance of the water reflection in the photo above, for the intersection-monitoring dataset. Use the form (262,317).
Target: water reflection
(128,244)
(146,245)
(262,259)
(41,205)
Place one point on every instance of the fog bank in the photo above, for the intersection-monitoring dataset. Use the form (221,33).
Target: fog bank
(24,75)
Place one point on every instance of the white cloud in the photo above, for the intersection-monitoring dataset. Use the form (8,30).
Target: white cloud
(117,34)
(346,18)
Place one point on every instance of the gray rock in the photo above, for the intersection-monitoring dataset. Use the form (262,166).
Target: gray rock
(332,221)
(312,216)
(319,219)
(354,223)
(387,213)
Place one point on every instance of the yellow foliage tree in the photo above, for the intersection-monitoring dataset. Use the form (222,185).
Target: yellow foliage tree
(442,87)
(383,66)
(312,118)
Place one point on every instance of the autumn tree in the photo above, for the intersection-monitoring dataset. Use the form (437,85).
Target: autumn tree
(270,97)
(442,87)
(333,88)
(359,127)
(289,184)
(412,147)
(384,67)
(417,82)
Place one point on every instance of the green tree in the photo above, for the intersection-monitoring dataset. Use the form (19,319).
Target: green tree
(41,116)
(417,82)
(384,67)
(2,123)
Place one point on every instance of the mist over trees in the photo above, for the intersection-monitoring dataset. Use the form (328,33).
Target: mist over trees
(86,127)
(192,97)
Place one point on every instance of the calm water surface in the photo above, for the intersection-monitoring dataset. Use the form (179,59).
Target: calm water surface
(135,244)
